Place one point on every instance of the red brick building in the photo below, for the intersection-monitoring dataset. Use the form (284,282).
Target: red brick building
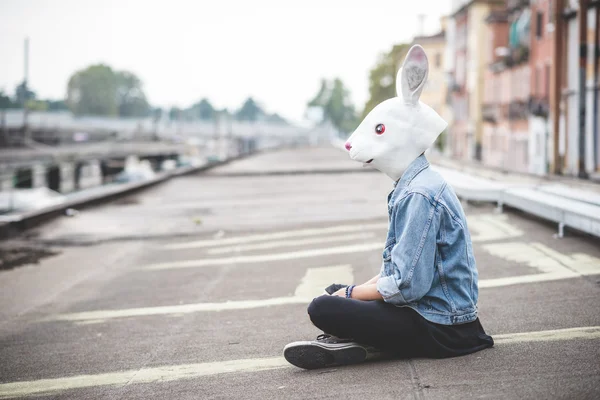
(541,53)
(507,88)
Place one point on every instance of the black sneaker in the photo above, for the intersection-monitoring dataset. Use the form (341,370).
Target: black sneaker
(326,351)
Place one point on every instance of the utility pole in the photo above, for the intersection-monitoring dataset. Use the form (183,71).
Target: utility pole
(26,131)
(26,62)
(596,73)
(582,15)
(556,95)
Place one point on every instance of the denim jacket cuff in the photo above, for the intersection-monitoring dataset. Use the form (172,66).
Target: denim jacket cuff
(388,288)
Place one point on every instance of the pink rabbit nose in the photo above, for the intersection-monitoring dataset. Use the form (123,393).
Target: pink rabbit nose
(348,146)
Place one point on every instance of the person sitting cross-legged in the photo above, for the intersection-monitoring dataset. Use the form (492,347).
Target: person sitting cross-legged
(423,301)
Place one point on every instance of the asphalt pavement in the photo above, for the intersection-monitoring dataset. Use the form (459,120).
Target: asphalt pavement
(191,289)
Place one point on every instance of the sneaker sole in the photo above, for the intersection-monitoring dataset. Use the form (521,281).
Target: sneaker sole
(309,355)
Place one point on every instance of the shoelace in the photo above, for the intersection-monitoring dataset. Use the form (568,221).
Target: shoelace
(327,338)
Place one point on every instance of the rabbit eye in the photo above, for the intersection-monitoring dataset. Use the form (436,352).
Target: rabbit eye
(379,129)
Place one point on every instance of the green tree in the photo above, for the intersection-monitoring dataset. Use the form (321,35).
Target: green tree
(130,96)
(339,109)
(382,78)
(5,101)
(276,118)
(250,111)
(174,113)
(56,105)
(203,110)
(99,90)
(334,100)
(157,114)
(26,97)
(322,95)
(93,91)
(23,94)
(36,105)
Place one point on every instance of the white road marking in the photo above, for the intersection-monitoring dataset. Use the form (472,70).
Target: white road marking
(276,235)
(588,332)
(311,286)
(516,280)
(274,199)
(291,242)
(489,227)
(170,373)
(552,264)
(166,373)
(524,253)
(581,263)
(317,279)
(179,309)
(90,322)
(208,262)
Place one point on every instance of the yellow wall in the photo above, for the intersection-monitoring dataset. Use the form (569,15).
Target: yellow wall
(477,52)
(434,93)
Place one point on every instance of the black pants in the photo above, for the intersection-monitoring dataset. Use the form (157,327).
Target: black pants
(397,330)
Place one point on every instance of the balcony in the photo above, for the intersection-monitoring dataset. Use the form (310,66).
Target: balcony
(489,113)
(539,106)
(454,86)
(517,110)
(513,5)
(513,58)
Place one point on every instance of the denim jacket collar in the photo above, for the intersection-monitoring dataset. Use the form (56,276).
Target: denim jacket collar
(418,165)
(414,168)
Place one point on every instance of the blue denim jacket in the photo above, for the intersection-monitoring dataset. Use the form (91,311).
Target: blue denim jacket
(428,261)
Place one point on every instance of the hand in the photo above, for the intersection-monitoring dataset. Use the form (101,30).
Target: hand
(340,293)
(334,288)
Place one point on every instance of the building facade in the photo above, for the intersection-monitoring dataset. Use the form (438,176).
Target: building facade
(542,69)
(435,91)
(524,82)
(507,88)
(468,50)
(577,142)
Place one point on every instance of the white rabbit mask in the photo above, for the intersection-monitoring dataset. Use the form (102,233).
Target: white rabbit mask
(399,129)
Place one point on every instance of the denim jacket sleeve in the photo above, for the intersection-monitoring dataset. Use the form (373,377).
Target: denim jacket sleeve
(411,267)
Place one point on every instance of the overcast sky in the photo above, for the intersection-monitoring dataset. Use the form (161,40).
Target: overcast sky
(225,50)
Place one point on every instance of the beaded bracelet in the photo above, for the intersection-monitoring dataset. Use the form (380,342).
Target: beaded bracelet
(349,291)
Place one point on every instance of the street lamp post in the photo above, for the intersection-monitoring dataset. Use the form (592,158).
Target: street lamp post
(582,14)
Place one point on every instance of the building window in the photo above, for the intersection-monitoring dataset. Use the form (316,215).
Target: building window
(539,25)
(547,81)
(538,78)
(491,47)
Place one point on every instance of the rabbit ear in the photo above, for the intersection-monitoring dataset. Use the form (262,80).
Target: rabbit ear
(413,75)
